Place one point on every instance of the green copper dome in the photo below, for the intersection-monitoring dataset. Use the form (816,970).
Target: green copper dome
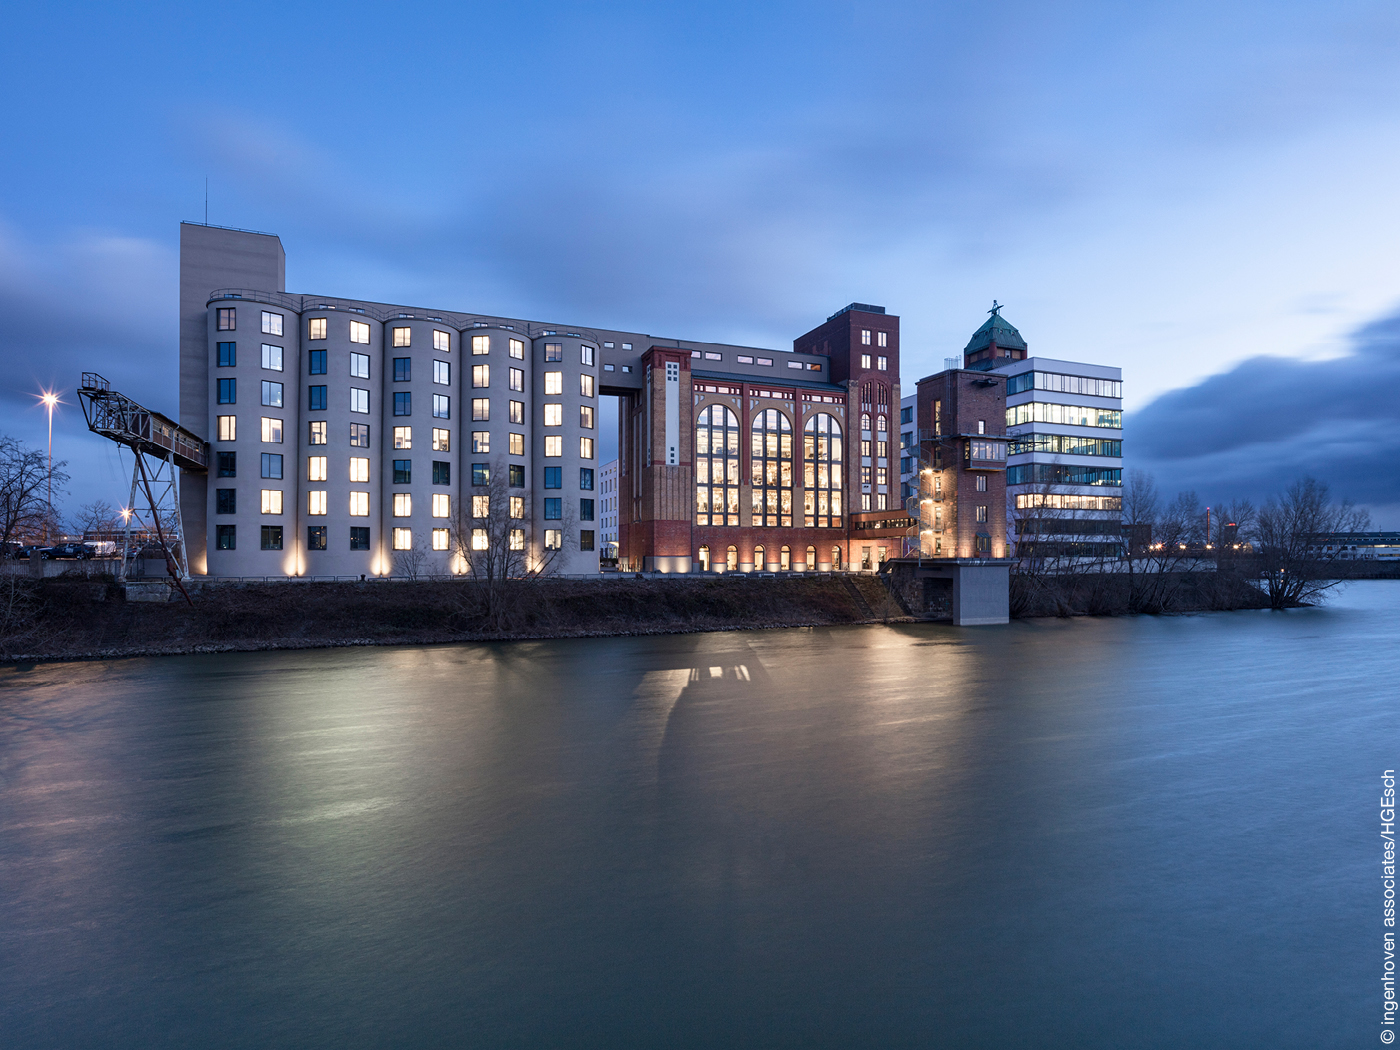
(997,330)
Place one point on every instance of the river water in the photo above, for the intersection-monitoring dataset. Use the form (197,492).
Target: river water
(1136,832)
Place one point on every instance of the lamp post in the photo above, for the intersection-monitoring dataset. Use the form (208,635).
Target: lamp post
(49,400)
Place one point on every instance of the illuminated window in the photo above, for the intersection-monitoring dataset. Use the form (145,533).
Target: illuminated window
(517,379)
(316,328)
(554,446)
(517,412)
(585,416)
(585,385)
(403,505)
(271,394)
(822,453)
(481,506)
(442,343)
(359,468)
(359,400)
(517,539)
(553,351)
(517,507)
(442,505)
(586,355)
(882,339)
(865,422)
(865,337)
(882,363)
(359,333)
(517,444)
(717,467)
(480,540)
(554,382)
(481,344)
(226,319)
(316,501)
(228,428)
(316,468)
(553,539)
(554,415)
(517,349)
(402,336)
(981,483)
(440,540)
(272,501)
(272,357)
(271,430)
(585,448)
(481,441)
(271,323)
(403,437)
(772,468)
(403,539)
(442,440)
(481,376)
(864,360)
(481,409)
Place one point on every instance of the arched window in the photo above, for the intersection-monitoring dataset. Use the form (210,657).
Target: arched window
(811,559)
(772,468)
(731,558)
(865,421)
(836,557)
(785,558)
(717,467)
(882,424)
(821,453)
(758,558)
(704,559)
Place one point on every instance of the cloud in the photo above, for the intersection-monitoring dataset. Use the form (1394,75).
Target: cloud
(1267,421)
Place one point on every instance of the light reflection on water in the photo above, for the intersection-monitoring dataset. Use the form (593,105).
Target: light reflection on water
(1096,833)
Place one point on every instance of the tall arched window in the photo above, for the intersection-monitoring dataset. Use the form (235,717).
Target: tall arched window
(821,453)
(881,425)
(865,421)
(717,467)
(772,468)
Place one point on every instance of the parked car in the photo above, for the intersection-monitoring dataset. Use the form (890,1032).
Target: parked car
(33,548)
(80,551)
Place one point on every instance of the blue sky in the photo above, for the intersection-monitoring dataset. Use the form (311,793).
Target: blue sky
(1176,189)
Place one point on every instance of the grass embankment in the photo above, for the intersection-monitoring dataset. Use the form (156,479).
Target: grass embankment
(78,619)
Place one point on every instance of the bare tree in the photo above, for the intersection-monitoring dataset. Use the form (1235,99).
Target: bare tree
(24,483)
(97,516)
(409,563)
(491,535)
(1297,565)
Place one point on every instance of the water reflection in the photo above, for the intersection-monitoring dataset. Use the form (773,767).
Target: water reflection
(857,837)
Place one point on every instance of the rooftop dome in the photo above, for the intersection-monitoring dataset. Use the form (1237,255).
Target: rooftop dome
(996,329)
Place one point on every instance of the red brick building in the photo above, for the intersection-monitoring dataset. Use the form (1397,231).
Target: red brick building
(724,469)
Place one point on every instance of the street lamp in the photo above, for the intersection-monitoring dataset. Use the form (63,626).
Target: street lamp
(49,400)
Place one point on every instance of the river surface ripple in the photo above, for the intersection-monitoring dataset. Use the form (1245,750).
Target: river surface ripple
(1145,832)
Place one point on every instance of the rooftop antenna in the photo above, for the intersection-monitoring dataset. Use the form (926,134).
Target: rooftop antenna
(206,200)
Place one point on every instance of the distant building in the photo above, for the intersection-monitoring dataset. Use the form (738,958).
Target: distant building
(1064,471)
(607,498)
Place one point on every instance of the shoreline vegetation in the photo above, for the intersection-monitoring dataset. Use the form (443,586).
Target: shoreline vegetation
(62,618)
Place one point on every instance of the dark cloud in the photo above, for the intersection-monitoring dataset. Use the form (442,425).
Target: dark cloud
(1254,429)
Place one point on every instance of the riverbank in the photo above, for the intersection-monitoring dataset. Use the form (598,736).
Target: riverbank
(76,619)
